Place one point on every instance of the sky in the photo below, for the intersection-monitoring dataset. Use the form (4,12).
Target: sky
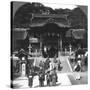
(56,6)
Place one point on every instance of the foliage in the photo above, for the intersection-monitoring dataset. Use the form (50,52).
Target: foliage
(76,17)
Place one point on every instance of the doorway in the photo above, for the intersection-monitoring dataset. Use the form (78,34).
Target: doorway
(50,46)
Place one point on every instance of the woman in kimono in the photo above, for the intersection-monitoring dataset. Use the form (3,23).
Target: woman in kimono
(54,77)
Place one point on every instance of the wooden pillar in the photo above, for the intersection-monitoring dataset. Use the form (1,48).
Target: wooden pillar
(59,45)
(40,44)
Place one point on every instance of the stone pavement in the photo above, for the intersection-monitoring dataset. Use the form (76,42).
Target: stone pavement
(64,79)
(22,82)
(83,80)
(64,63)
(66,68)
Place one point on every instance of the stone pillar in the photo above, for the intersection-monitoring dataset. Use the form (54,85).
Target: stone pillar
(29,50)
(23,67)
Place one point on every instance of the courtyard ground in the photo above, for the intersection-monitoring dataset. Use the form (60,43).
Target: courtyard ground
(65,77)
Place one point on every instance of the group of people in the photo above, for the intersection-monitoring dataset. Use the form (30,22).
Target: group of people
(46,72)
(50,77)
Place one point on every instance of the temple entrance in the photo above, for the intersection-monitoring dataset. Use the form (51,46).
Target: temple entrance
(49,38)
(50,50)
(50,45)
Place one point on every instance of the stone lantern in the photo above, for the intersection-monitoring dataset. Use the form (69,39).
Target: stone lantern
(22,56)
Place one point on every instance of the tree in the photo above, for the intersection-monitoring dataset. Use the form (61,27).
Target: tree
(78,19)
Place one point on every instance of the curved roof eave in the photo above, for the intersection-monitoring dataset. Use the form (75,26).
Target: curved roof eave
(43,24)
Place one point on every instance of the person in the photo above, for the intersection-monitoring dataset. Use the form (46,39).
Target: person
(41,78)
(54,77)
(55,63)
(52,52)
(41,64)
(30,78)
(47,64)
(59,67)
(48,78)
(77,69)
(55,59)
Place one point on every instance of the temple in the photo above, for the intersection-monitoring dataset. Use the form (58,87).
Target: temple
(45,33)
